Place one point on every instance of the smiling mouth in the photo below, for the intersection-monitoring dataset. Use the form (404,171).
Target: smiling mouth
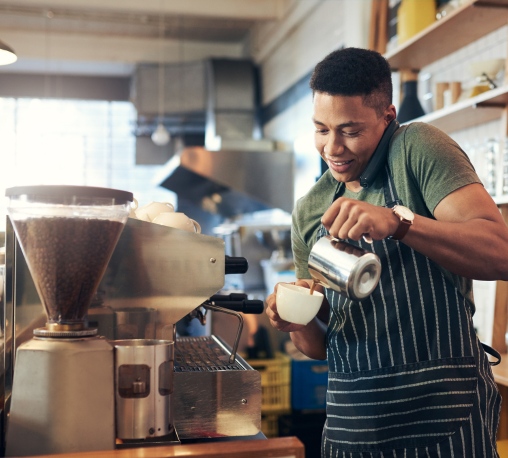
(339,163)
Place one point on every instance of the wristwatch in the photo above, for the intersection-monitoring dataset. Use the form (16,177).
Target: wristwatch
(406,220)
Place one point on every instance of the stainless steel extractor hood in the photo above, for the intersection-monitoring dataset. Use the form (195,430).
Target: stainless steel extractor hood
(236,171)
(231,182)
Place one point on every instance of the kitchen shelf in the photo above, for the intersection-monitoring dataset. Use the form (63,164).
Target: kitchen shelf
(470,112)
(501,200)
(457,29)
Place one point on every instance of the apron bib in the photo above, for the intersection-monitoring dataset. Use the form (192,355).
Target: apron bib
(407,374)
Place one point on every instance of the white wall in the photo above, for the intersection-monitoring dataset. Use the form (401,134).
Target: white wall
(288,50)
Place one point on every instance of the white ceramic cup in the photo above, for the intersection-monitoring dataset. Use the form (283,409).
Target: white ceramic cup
(150,211)
(295,303)
(177,220)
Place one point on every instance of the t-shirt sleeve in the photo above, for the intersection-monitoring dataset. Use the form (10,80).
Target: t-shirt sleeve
(301,250)
(437,164)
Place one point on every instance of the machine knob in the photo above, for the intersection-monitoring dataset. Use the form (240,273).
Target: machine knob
(236,265)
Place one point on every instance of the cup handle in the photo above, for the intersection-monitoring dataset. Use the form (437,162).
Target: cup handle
(132,211)
(142,216)
(367,238)
(197,226)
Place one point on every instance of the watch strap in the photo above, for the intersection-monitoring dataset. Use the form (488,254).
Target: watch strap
(401,231)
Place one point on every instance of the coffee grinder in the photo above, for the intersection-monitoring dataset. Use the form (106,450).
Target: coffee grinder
(63,396)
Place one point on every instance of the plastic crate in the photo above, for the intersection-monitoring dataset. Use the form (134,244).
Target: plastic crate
(309,380)
(306,426)
(270,425)
(275,382)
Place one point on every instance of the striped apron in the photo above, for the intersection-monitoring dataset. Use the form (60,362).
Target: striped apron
(408,376)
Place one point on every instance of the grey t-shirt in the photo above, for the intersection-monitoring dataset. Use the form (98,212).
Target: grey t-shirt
(426,166)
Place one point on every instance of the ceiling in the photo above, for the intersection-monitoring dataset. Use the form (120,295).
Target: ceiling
(110,37)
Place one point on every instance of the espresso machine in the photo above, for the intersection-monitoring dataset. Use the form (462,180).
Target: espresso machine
(75,389)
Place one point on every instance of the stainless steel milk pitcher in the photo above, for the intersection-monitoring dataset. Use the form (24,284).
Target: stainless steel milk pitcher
(345,268)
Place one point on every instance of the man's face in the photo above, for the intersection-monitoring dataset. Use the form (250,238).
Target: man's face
(347,133)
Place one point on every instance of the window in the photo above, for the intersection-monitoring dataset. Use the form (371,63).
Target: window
(87,143)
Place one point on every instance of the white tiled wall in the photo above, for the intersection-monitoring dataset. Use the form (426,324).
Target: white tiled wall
(456,67)
(319,32)
(314,29)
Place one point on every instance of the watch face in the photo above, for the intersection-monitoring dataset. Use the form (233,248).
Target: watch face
(404,212)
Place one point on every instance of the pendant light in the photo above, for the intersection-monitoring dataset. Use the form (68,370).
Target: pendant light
(7,54)
(161,136)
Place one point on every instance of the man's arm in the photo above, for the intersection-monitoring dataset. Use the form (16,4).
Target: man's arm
(468,237)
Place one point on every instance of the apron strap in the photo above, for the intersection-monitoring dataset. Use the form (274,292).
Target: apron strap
(391,196)
(490,351)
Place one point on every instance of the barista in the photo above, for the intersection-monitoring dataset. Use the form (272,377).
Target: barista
(407,374)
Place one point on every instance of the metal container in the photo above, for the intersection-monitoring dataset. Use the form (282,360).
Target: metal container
(345,268)
(143,386)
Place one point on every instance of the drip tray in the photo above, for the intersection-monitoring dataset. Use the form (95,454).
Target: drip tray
(205,354)
(169,439)
(214,397)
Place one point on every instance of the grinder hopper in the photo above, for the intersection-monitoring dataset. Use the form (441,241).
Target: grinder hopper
(67,235)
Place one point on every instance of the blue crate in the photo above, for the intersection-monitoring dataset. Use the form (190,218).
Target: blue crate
(309,380)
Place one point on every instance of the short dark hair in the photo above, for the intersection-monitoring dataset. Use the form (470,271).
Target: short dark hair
(352,72)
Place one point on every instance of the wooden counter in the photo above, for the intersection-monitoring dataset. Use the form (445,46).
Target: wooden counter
(287,447)
(501,371)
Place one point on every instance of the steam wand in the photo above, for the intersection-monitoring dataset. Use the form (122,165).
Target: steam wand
(201,316)
(209,306)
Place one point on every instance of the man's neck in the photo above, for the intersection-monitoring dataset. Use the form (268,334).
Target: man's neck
(354,186)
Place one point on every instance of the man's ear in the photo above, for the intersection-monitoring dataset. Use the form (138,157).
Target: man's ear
(390,114)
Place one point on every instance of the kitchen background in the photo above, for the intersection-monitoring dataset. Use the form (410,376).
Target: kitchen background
(94,79)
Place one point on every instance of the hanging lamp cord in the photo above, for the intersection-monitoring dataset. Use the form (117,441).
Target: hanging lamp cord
(161,67)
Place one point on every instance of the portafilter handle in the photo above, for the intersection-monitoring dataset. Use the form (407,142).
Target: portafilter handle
(238,302)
